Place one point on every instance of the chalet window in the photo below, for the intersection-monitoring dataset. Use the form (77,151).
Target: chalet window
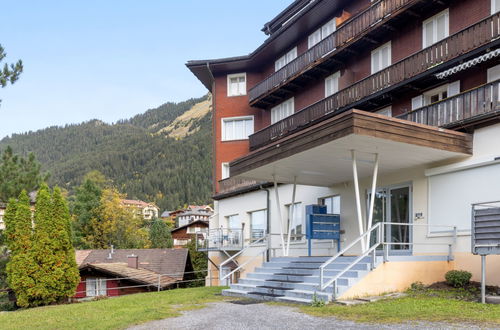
(237,128)
(95,287)
(493,74)
(387,111)
(237,84)
(435,95)
(436,28)
(495,6)
(283,110)
(297,221)
(381,57)
(234,221)
(332,84)
(322,33)
(285,59)
(225,171)
(332,204)
(258,224)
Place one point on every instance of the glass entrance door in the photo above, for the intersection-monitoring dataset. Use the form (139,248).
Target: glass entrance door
(392,204)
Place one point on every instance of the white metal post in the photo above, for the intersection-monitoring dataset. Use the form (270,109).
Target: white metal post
(358,200)
(278,205)
(483,279)
(290,218)
(372,200)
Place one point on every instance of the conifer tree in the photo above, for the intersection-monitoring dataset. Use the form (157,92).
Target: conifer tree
(160,235)
(21,266)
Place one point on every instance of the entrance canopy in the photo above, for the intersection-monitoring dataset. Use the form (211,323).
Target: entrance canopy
(321,155)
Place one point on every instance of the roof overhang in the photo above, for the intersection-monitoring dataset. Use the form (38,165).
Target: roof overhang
(280,41)
(320,155)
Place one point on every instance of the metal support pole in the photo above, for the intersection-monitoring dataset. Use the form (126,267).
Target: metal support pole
(372,200)
(159,282)
(278,205)
(483,279)
(290,218)
(358,200)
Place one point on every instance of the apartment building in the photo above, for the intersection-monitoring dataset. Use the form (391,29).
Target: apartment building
(352,147)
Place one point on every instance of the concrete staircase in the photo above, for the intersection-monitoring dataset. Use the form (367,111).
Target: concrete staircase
(296,279)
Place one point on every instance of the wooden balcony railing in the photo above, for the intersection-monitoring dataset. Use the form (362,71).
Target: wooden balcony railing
(473,37)
(233,184)
(459,109)
(345,34)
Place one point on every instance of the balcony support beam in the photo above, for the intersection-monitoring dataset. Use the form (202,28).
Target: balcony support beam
(280,217)
(372,200)
(358,199)
(291,216)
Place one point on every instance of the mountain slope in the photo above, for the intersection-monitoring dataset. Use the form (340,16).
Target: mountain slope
(157,156)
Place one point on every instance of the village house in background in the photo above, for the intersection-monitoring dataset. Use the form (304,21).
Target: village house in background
(147,211)
(168,219)
(352,147)
(193,213)
(3,207)
(119,272)
(197,229)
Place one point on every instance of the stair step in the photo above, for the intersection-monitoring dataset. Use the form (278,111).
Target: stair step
(284,281)
(288,274)
(266,294)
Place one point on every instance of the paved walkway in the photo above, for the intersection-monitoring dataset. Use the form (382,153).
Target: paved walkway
(236,315)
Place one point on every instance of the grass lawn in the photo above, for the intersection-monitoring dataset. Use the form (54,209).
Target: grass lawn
(113,313)
(428,305)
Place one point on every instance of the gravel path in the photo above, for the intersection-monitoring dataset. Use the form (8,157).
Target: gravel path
(235,315)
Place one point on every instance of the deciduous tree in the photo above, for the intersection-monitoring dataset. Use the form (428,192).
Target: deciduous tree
(159,235)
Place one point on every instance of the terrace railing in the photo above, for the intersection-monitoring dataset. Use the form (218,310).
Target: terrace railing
(473,37)
(222,239)
(232,184)
(459,109)
(344,35)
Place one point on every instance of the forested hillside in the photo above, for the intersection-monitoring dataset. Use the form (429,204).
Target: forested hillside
(144,156)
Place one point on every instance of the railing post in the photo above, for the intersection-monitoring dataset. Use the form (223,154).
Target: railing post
(374,258)
(159,282)
(321,278)
(450,253)
(334,293)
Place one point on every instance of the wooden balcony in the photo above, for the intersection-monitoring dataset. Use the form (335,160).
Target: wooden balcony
(436,57)
(348,33)
(460,110)
(234,184)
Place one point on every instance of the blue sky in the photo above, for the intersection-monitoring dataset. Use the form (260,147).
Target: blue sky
(113,59)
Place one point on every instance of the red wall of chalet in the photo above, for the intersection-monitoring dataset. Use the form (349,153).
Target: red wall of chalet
(111,286)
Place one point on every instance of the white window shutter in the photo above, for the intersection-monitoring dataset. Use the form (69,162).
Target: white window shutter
(417,102)
(454,88)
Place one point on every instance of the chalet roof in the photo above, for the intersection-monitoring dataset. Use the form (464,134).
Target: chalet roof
(138,203)
(289,26)
(139,275)
(191,224)
(159,261)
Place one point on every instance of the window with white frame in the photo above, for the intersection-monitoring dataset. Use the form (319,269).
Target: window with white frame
(381,57)
(234,221)
(258,224)
(495,6)
(282,110)
(332,84)
(387,111)
(296,220)
(322,33)
(237,84)
(237,128)
(285,59)
(332,204)
(436,28)
(225,171)
(436,94)
(95,287)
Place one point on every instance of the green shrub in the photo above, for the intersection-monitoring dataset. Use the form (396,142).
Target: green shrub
(316,302)
(417,286)
(458,278)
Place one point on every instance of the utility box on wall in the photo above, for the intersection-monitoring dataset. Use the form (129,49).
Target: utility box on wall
(321,226)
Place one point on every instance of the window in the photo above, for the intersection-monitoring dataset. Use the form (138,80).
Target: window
(297,221)
(495,6)
(95,287)
(258,224)
(237,84)
(285,59)
(234,221)
(387,111)
(238,128)
(381,57)
(332,204)
(225,171)
(436,28)
(493,74)
(322,33)
(332,84)
(283,110)
(435,95)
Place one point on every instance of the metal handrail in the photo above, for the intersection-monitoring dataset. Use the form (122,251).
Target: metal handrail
(340,253)
(254,244)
